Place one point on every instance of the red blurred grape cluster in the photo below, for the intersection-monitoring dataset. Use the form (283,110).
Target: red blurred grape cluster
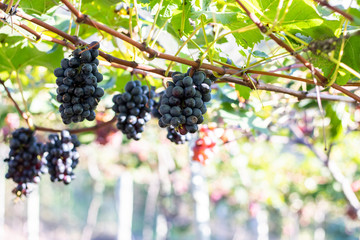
(204,145)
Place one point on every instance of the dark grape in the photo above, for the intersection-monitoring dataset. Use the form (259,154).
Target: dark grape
(25,162)
(133,108)
(183,102)
(164,109)
(77,82)
(59,72)
(61,156)
(176,137)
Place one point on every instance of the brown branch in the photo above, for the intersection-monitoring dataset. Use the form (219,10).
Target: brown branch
(335,9)
(279,75)
(273,88)
(142,69)
(161,72)
(352,84)
(79,130)
(288,68)
(334,170)
(81,18)
(282,44)
(151,71)
(38,128)
(245,82)
(23,26)
(23,15)
(22,114)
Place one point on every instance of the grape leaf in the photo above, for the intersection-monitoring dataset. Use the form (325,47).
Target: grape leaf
(20,53)
(37,7)
(202,4)
(180,20)
(218,17)
(243,91)
(246,120)
(355,14)
(248,38)
(259,54)
(308,23)
(104,3)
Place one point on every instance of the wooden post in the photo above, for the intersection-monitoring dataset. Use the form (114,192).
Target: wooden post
(2,200)
(33,214)
(200,195)
(124,197)
(161,227)
(262,225)
(2,191)
(150,208)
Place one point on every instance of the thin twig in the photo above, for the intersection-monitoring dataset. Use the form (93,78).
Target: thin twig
(273,88)
(335,9)
(45,129)
(79,130)
(22,114)
(307,64)
(333,168)
(157,71)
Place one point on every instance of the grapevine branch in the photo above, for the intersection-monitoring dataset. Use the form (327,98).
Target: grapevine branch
(85,19)
(268,87)
(282,44)
(273,88)
(38,128)
(76,41)
(142,69)
(79,130)
(22,114)
(161,73)
(262,86)
(23,26)
(333,168)
(134,65)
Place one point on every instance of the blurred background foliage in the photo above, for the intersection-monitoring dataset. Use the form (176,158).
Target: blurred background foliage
(260,172)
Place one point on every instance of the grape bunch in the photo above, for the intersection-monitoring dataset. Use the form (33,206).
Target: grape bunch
(183,103)
(61,156)
(77,81)
(176,137)
(25,162)
(133,108)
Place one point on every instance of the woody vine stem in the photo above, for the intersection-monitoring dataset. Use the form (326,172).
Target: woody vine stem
(228,73)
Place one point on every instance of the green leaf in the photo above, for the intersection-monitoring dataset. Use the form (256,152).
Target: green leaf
(259,54)
(355,13)
(243,91)
(104,3)
(218,17)
(168,7)
(246,120)
(202,4)
(122,78)
(351,57)
(248,38)
(37,6)
(335,126)
(308,22)
(180,20)
(17,53)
